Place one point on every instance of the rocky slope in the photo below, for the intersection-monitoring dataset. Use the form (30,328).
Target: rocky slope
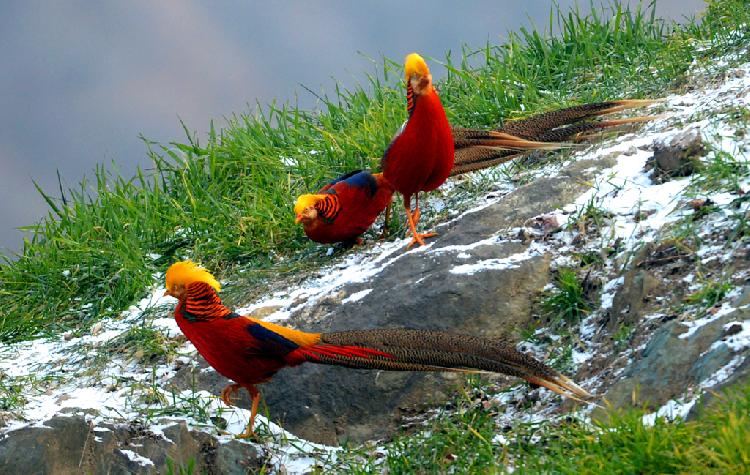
(652,222)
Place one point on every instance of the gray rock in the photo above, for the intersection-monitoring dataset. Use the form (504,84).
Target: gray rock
(71,445)
(669,364)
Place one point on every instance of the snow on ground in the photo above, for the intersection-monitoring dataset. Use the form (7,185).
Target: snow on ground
(639,210)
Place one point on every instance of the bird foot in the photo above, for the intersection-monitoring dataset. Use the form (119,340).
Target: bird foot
(228,392)
(248,434)
(419,239)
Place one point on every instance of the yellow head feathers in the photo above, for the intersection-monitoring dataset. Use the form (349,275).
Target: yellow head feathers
(415,64)
(186,272)
(304,202)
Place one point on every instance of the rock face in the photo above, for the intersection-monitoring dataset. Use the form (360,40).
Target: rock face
(70,445)
(675,359)
(330,404)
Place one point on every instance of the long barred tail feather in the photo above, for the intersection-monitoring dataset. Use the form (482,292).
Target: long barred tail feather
(470,166)
(463,138)
(429,350)
(532,128)
(579,131)
(478,149)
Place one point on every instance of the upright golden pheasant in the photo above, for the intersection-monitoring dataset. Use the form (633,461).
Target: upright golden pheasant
(250,351)
(420,157)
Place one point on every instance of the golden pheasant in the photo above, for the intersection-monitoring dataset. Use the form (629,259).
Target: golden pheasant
(345,208)
(420,157)
(250,351)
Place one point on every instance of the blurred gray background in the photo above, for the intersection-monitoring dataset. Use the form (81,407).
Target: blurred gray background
(80,80)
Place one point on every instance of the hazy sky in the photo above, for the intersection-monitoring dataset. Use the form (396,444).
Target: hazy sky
(81,80)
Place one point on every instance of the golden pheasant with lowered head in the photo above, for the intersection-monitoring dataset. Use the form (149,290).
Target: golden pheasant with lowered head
(250,351)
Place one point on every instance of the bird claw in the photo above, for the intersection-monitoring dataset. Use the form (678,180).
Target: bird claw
(228,392)
(249,434)
(419,239)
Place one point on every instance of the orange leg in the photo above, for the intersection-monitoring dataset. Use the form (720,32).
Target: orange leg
(417,238)
(417,214)
(226,396)
(255,396)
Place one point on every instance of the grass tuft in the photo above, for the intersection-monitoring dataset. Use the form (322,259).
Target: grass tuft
(568,300)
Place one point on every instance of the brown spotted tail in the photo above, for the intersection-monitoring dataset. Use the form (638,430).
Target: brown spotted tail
(429,350)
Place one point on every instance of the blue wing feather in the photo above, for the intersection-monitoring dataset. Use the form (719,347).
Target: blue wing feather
(265,335)
(358,179)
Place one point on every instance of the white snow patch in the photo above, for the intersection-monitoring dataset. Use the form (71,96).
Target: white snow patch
(356,296)
(500,439)
(168,326)
(725,309)
(535,249)
(724,373)
(671,411)
(137,458)
(609,290)
(490,241)
(580,357)
(355,268)
(737,342)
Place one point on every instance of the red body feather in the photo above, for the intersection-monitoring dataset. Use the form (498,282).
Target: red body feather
(359,203)
(420,158)
(230,349)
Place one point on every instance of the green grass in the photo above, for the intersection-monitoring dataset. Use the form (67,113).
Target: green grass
(227,202)
(15,390)
(567,302)
(464,441)
(712,293)
(143,343)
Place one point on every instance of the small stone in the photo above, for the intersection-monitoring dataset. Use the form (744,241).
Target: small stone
(643,215)
(736,74)
(524,236)
(262,312)
(732,329)
(679,157)
(97,328)
(63,398)
(699,203)
(219,422)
